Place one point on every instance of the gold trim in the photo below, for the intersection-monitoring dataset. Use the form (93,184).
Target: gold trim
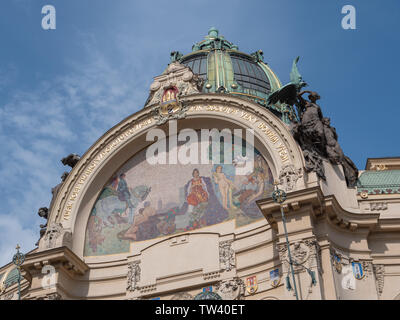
(194,53)
(216,69)
(248,95)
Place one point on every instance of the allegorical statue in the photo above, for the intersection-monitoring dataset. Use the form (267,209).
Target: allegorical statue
(350,172)
(313,132)
(288,94)
(309,132)
(319,140)
(333,150)
(71,160)
(312,127)
(43,213)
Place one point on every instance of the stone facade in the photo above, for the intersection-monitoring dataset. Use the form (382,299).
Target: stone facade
(344,242)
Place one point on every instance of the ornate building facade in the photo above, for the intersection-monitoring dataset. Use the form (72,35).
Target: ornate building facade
(120,226)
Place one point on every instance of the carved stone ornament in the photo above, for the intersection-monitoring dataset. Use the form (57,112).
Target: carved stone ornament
(133,275)
(43,213)
(162,115)
(343,259)
(53,296)
(71,160)
(379,271)
(182,296)
(288,177)
(300,252)
(378,206)
(52,233)
(56,236)
(304,253)
(337,263)
(379,167)
(367,267)
(167,89)
(232,289)
(226,255)
(176,75)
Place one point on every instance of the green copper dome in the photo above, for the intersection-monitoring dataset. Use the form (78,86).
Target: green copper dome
(11,278)
(225,69)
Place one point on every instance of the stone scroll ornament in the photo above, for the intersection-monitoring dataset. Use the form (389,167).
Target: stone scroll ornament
(167,89)
(317,139)
(56,236)
(226,256)
(43,213)
(182,296)
(231,289)
(133,276)
(304,253)
(379,272)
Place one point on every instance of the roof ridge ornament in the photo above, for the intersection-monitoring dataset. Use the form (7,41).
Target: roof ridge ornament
(288,93)
(176,56)
(167,89)
(258,56)
(214,41)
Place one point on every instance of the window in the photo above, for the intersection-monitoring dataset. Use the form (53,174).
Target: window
(198,64)
(250,75)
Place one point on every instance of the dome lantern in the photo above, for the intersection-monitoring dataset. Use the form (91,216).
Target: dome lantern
(226,70)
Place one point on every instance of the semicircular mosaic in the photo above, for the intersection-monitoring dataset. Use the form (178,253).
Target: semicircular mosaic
(142,201)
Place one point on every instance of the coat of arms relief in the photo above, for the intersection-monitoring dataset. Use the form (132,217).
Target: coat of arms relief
(167,89)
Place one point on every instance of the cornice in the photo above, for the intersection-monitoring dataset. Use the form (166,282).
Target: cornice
(63,255)
(323,207)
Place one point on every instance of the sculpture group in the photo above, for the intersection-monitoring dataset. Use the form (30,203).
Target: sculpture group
(313,132)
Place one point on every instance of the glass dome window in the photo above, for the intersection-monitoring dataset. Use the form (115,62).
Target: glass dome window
(250,75)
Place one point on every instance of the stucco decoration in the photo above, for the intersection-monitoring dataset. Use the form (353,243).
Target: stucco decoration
(378,206)
(133,276)
(55,236)
(176,75)
(231,289)
(43,213)
(53,296)
(226,255)
(304,253)
(367,267)
(288,177)
(182,296)
(162,117)
(379,272)
(9,296)
(166,90)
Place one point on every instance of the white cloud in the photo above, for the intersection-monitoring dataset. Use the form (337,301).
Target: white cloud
(12,233)
(53,119)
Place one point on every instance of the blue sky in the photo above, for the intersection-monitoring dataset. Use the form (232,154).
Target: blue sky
(60,90)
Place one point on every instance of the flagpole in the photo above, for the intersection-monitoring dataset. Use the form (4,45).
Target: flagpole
(18,260)
(279,196)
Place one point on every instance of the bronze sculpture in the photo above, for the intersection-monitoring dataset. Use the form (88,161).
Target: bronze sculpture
(313,132)
(319,140)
